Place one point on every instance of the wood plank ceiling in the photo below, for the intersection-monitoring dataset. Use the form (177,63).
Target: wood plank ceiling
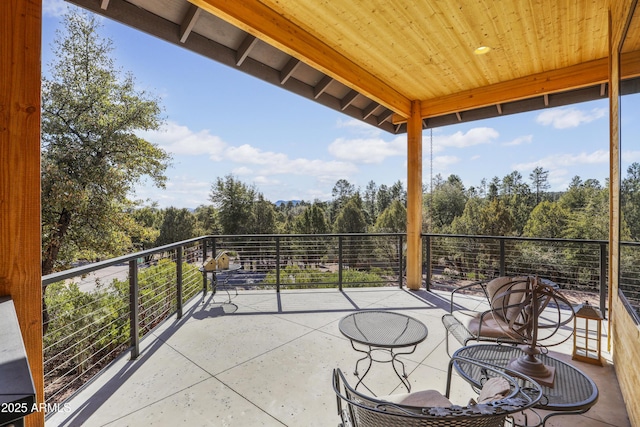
(371,58)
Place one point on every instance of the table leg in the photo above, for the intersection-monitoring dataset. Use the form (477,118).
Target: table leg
(404,378)
(368,356)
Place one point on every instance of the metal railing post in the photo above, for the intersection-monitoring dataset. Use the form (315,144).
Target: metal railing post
(603,278)
(340,262)
(179,282)
(400,261)
(427,243)
(502,258)
(134,309)
(278,264)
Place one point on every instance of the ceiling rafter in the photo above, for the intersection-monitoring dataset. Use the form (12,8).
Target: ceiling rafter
(245,48)
(369,109)
(348,99)
(289,69)
(386,115)
(189,22)
(264,23)
(322,86)
(104,4)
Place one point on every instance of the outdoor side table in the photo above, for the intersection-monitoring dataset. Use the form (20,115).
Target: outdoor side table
(573,391)
(225,274)
(383,331)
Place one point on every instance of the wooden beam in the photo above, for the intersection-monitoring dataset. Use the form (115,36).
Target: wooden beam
(348,99)
(104,4)
(582,75)
(322,86)
(245,47)
(499,108)
(288,70)
(261,21)
(188,22)
(369,109)
(20,241)
(386,115)
(414,198)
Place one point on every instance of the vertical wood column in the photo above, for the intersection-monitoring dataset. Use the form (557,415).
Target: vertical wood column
(20,277)
(614,170)
(414,198)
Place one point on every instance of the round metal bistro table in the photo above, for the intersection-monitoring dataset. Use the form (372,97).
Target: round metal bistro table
(573,391)
(383,332)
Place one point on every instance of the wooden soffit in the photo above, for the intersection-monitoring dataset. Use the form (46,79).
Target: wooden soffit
(371,58)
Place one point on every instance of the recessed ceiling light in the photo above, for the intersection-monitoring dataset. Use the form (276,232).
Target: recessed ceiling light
(482,50)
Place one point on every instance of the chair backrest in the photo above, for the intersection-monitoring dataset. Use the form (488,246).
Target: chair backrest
(366,411)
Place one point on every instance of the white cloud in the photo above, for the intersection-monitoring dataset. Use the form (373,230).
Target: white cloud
(526,139)
(443,162)
(373,150)
(178,139)
(555,162)
(475,136)
(242,170)
(248,154)
(563,118)
(359,127)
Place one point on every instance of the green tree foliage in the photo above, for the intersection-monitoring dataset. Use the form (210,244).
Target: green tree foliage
(177,225)
(540,182)
(447,202)
(150,220)
(206,220)
(312,221)
(383,198)
(369,200)
(484,218)
(548,219)
(351,217)
(630,200)
(393,219)
(233,201)
(264,216)
(91,156)
(342,191)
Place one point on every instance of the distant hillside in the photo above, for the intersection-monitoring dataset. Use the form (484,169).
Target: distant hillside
(284,202)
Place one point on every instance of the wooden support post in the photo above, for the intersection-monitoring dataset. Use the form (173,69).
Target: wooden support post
(414,198)
(20,242)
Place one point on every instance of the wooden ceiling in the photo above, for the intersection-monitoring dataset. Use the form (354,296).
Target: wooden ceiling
(371,58)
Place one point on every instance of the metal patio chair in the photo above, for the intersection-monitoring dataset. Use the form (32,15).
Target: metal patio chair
(500,398)
(507,302)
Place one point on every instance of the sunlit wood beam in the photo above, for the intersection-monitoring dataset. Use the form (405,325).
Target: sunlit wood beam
(578,76)
(258,19)
(104,4)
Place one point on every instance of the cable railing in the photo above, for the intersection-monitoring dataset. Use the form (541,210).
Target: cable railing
(102,310)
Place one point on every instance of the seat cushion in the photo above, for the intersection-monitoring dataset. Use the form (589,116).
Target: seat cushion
(495,388)
(421,399)
(492,326)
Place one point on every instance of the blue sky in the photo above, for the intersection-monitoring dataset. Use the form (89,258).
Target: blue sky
(221,121)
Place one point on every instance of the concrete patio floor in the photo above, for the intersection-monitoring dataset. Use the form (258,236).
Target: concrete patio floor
(267,361)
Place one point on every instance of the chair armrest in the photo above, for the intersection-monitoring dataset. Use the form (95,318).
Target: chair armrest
(480,283)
